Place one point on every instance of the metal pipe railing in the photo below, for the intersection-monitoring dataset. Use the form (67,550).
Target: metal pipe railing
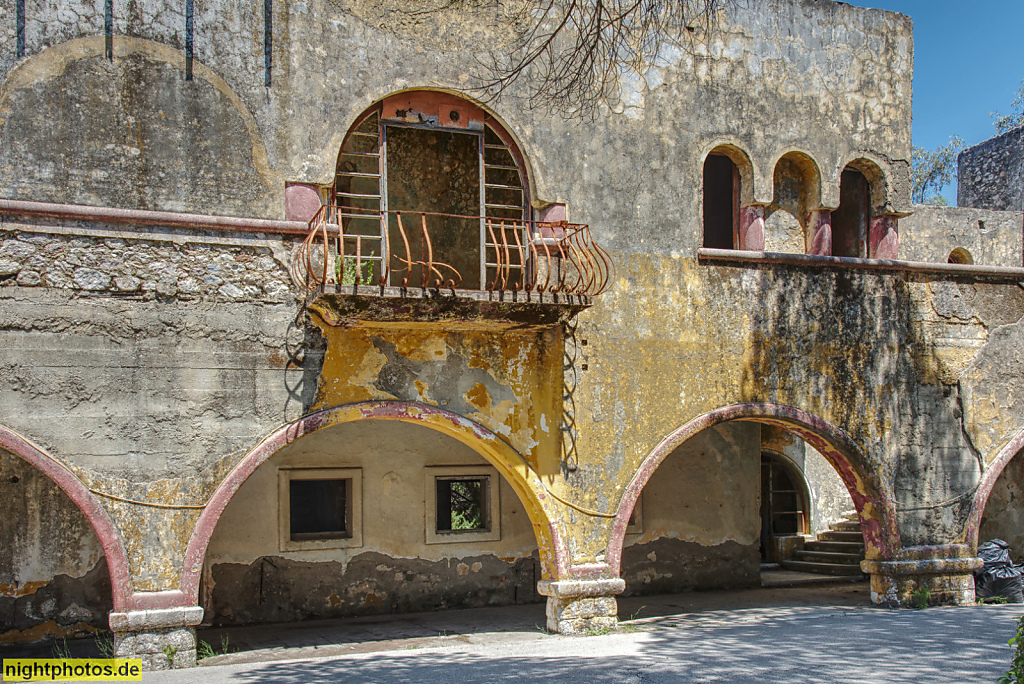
(519,255)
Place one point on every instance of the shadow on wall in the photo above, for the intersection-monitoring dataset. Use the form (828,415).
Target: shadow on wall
(862,353)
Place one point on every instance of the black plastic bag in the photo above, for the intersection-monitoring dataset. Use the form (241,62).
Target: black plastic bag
(999,577)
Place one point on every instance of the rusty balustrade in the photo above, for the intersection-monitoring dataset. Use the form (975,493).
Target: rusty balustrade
(516,255)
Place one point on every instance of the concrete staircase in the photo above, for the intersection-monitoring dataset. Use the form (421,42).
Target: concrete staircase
(836,552)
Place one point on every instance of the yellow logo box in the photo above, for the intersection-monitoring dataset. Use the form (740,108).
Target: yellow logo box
(72,670)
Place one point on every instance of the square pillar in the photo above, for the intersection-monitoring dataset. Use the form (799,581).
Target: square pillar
(163,638)
(939,575)
(883,240)
(578,606)
(819,232)
(751,235)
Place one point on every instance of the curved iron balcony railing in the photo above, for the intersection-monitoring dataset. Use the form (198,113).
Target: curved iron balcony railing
(429,250)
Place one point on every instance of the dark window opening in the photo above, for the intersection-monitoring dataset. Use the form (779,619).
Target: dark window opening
(960,256)
(318,509)
(462,504)
(721,202)
(850,222)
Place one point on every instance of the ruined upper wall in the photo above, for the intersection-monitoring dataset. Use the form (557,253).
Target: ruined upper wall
(821,77)
(992,238)
(991,174)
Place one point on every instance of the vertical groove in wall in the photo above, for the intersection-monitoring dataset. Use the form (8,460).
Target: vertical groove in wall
(189,44)
(19,23)
(268,39)
(108,27)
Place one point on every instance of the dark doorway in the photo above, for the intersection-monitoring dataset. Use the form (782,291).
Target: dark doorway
(721,202)
(783,504)
(851,220)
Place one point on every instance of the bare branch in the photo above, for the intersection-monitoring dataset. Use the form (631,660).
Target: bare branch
(571,56)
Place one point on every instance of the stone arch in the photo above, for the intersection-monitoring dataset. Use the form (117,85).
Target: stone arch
(743,164)
(878,182)
(108,535)
(809,179)
(988,482)
(876,509)
(539,505)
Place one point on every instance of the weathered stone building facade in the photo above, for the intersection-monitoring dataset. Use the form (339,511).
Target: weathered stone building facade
(470,400)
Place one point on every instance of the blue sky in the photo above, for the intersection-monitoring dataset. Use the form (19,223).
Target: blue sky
(968,61)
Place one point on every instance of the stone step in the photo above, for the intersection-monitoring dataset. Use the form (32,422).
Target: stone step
(836,558)
(835,546)
(823,568)
(851,515)
(847,526)
(835,535)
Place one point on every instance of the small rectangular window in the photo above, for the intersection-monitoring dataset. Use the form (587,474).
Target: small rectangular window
(462,504)
(320,508)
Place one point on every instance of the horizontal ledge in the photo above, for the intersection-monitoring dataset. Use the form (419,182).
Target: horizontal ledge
(894,265)
(81,212)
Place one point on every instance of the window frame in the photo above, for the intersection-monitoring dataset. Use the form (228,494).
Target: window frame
(353,505)
(492,500)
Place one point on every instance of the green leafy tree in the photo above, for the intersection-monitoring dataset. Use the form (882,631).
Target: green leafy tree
(1015,118)
(933,170)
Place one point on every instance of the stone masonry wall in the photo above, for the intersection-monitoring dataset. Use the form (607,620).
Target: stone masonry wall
(991,174)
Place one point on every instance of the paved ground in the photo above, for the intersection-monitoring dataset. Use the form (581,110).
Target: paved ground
(792,635)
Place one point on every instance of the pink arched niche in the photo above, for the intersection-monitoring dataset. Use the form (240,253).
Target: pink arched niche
(876,509)
(92,509)
(988,482)
(540,507)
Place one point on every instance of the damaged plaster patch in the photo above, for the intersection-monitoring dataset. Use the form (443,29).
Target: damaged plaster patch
(449,383)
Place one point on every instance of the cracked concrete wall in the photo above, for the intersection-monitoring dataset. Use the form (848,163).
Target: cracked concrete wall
(249,578)
(701,523)
(153,393)
(53,576)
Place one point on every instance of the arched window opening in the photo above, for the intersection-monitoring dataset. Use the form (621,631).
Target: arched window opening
(960,256)
(784,505)
(721,202)
(796,192)
(435,183)
(852,220)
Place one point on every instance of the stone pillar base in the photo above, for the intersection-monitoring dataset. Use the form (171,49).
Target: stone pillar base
(581,606)
(163,638)
(920,579)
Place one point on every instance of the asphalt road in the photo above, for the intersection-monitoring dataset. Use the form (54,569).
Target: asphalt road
(783,645)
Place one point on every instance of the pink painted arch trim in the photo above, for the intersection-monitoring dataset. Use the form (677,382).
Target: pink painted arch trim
(540,507)
(88,503)
(988,482)
(877,510)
